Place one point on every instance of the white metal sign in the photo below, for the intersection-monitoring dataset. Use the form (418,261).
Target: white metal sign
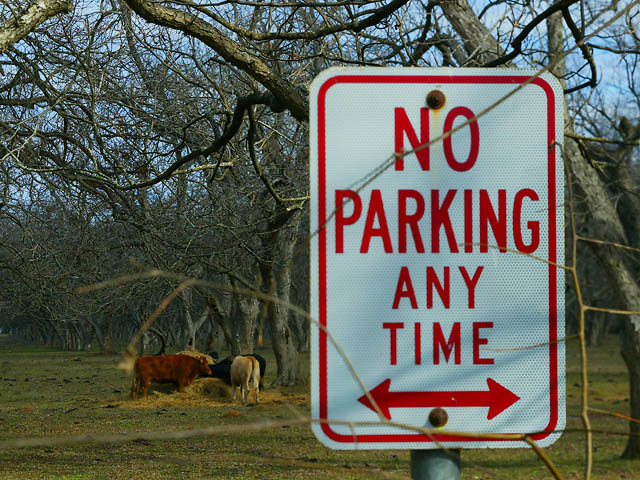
(434,268)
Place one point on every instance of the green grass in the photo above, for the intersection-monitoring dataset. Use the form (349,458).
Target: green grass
(46,393)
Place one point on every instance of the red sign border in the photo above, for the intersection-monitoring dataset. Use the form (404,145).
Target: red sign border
(322,249)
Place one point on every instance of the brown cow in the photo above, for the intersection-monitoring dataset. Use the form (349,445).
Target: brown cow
(245,373)
(177,369)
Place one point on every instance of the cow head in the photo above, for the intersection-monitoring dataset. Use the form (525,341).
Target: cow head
(203,366)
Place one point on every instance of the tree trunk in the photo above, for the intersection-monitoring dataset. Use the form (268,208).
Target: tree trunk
(301,328)
(605,224)
(189,331)
(631,354)
(246,316)
(478,42)
(237,315)
(98,334)
(172,337)
(108,334)
(146,341)
(57,334)
(597,328)
(67,345)
(216,341)
(281,245)
(78,336)
(222,322)
(191,326)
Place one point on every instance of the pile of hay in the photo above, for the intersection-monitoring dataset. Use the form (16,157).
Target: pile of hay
(195,353)
(212,388)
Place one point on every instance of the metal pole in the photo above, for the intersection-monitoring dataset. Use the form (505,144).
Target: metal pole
(435,464)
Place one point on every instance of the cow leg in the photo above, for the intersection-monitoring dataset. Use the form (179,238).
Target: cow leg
(145,386)
(133,385)
(137,388)
(245,392)
(233,392)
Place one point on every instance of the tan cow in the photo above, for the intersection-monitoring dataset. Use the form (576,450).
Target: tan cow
(245,373)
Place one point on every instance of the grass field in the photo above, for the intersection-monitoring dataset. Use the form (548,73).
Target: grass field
(53,394)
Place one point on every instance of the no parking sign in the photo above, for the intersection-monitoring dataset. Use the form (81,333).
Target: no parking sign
(435,268)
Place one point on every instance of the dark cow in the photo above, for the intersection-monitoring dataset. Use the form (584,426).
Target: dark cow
(180,370)
(222,369)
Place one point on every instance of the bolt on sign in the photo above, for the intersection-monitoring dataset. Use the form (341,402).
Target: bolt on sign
(437,220)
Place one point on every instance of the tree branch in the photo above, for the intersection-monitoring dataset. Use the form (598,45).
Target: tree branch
(579,37)
(260,172)
(516,44)
(286,95)
(236,121)
(601,139)
(13,30)
(374,16)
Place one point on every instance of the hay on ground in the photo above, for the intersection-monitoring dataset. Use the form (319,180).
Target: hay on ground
(211,392)
(202,392)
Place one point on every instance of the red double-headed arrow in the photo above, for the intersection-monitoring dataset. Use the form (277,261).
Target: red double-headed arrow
(497,398)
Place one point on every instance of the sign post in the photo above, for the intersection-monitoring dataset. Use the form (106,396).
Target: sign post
(435,464)
(434,266)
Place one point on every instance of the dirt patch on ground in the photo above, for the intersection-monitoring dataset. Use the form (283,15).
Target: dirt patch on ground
(207,392)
